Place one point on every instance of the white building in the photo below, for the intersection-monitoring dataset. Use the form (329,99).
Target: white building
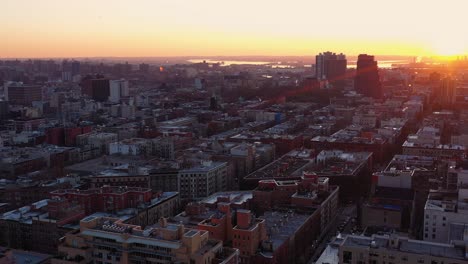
(426,142)
(118,89)
(394,178)
(131,146)
(446,208)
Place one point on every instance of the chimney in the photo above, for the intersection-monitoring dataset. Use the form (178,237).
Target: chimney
(244,218)
(163,222)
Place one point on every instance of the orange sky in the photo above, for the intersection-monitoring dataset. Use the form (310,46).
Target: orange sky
(86,28)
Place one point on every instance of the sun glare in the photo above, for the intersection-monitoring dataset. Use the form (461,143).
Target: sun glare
(445,47)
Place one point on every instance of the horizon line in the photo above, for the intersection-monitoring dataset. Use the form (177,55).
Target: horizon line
(217,56)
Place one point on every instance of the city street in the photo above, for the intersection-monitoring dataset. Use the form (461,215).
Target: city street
(343,221)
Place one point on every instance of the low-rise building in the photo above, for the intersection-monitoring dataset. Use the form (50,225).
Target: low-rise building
(396,249)
(97,140)
(131,146)
(288,167)
(109,240)
(39,226)
(427,142)
(351,171)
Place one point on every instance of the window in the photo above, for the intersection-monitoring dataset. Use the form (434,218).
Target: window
(433,236)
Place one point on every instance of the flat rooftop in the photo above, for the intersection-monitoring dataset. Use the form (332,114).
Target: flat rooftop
(411,162)
(112,228)
(107,189)
(408,246)
(20,256)
(336,162)
(282,225)
(107,162)
(235,197)
(409,144)
(353,134)
(289,165)
(204,167)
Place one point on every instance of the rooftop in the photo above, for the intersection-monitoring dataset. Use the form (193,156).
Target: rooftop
(163,234)
(410,162)
(410,144)
(289,165)
(282,225)
(235,197)
(407,245)
(20,256)
(204,166)
(108,162)
(337,162)
(353,134)
(107,189)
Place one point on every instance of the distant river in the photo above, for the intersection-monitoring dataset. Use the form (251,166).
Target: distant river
(351,64)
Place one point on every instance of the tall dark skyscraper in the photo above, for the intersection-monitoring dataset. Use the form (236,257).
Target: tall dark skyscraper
(330,66)
(367,81)
(446,92)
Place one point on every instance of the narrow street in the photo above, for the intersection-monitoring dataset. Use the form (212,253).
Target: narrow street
(343,221)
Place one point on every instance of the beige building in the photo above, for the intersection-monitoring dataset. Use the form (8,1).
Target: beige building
(202,180)
(109,240)
(426,142)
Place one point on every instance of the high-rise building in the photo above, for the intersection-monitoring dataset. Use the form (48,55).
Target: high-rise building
(24,94)
(446,92)
(97,87)
(330,66)
(367,80)
(118,89)
(75,68)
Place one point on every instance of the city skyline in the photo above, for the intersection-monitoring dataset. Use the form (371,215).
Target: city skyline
(210,28)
